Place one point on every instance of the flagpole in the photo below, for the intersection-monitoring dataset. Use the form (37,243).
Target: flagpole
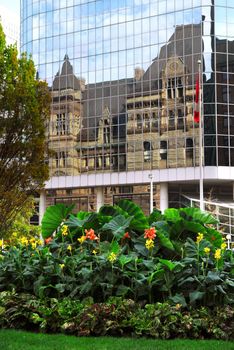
(200,139)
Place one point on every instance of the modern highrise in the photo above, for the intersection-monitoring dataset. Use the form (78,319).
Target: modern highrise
(122,75)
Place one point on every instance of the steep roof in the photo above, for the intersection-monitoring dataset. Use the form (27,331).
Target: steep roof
(66,79)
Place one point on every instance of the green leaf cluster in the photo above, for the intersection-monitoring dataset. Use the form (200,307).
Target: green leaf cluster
(115,317)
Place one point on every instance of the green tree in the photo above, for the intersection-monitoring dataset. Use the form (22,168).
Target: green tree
(24,111)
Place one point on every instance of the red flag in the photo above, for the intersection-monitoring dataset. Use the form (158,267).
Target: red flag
(197,102)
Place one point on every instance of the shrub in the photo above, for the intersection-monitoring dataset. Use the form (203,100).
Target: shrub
(115,317)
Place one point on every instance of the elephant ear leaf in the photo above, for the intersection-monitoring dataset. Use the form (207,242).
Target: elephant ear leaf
(164,240)
(139,221)
(118,225)
(195,214)
(53,217)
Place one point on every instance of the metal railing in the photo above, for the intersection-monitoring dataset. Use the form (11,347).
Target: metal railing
(223,212)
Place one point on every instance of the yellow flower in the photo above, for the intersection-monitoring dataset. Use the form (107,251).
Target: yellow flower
(200,237)
(94,252)
(112,257)
(69,247)
(34,244)
(61,266)
(32,240)
(39,242)
(217,254)
(149,244)
(14,234)
(223,246)
(81,239)
(64,230)
(24,241)
(207,250)
(1,243)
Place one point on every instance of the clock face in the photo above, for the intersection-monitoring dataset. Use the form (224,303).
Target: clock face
(174,65)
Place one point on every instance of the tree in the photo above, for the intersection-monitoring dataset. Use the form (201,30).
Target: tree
(24,111)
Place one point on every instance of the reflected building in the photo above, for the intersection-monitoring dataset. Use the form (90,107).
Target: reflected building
(122,76)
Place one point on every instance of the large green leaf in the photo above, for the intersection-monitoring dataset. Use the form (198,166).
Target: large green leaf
(139,222)
(195,214)
(164,241)
(168,263)
(213,277)
(53,217)
(196,295)
(124,259)
(194,227)
(118,225)
(107,210)
(179,299)
(214,237)
(172,215)
(82,221)
(155,216)
(114,247)
(73,222)
(191,248)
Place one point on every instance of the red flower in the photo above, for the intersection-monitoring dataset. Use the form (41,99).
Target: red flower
(126,235)
(48,240)
(150,233)
(91,235)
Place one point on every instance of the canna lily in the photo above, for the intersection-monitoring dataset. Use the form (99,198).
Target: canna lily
(33,245)
(24,241)
(126,235)
(69,248)
(64,230)
(112,257)
(200,237)
(149,244)
(48,240)
(150,233)
(223,246)
(81,239)
(207,250)
(217,254)
(91,235)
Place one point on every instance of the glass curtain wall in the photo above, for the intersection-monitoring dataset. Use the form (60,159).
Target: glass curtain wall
(122,75)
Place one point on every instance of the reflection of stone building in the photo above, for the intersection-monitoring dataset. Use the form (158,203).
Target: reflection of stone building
(158,134)
(143,123)
(119,134)
(65,121)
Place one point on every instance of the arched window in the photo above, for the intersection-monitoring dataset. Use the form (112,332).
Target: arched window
(163,150)
(189,148)
(139,121)
(147,151)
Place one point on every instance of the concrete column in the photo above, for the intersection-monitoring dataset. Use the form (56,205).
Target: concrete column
(100,198)
(42,205)
(163,196)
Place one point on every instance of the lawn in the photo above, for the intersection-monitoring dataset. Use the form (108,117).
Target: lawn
(18,340)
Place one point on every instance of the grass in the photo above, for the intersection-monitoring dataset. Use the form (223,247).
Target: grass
(19,340)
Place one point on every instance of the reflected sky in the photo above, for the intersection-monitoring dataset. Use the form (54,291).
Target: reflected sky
(106,40)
